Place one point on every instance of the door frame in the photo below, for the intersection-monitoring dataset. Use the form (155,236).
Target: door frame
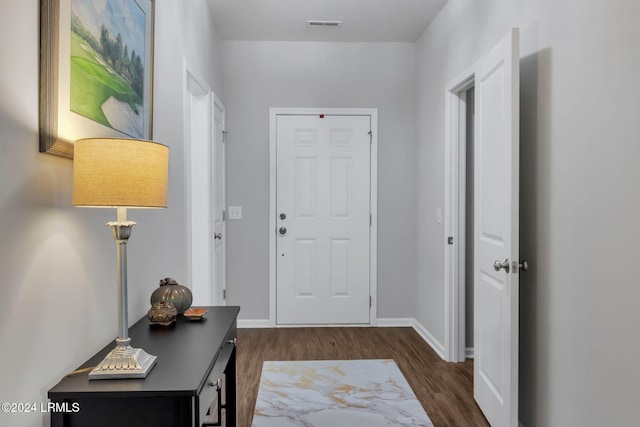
(454,210)
(219,289)
(198,196)
(373,180)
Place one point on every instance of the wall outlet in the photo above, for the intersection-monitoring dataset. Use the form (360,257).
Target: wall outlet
(235,212)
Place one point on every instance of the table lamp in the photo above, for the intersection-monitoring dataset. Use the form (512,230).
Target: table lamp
(121,174)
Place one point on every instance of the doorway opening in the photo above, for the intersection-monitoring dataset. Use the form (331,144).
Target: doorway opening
(204,129)
(469,219)
(459,218)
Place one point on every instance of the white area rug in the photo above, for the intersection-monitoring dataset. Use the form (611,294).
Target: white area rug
(336,393)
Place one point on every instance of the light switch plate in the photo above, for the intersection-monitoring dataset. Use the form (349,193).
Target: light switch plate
(235,212)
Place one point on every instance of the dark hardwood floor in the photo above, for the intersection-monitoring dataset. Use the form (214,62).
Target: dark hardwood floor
(444,389)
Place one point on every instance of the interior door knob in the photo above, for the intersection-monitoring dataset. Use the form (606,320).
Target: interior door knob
(498,265)
(282,230)
(217,236)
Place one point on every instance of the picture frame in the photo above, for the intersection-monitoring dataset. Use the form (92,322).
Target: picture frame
(96,71)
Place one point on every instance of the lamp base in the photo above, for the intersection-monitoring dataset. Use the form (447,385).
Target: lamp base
(122,362)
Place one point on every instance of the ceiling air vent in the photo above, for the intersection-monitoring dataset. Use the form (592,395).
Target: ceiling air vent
(318,23)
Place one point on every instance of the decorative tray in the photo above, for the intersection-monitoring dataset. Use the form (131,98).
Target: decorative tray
(195,313)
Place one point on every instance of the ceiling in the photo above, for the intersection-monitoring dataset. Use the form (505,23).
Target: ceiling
(363,20)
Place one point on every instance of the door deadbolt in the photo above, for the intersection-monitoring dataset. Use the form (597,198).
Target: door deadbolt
(282,230)
(283,216)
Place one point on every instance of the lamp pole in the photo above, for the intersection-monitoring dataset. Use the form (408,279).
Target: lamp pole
(123,361)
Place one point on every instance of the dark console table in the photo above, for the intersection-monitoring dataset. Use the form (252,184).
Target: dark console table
(192,385)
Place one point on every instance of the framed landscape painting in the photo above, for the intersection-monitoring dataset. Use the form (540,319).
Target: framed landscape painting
(96,71)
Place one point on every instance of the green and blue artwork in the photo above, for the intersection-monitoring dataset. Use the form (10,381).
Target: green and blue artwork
(107,67)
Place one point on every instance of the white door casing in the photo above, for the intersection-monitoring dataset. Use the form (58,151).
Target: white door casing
(322,262)
(219,202)
(496,239)
(455,215)
(198,178)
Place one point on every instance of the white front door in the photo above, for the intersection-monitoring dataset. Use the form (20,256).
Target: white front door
(323,201)
(219,216)
(496,238)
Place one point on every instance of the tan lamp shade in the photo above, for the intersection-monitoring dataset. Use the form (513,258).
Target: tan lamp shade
(112,172)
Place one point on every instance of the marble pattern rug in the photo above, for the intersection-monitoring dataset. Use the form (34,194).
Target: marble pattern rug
(336,393)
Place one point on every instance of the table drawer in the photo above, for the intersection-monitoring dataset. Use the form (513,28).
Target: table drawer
(210,396)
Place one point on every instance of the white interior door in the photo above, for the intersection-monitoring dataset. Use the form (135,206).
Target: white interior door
(323,219)
(496,233)
(219,203)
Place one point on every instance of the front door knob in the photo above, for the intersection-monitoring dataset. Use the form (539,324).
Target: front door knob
(498,265)
(283,230)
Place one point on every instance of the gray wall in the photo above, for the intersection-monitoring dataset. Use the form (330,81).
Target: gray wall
(260,75)
(58,304)
(579,199)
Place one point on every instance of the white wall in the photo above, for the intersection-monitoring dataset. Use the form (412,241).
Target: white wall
(579,198)
(58,303)
(260,75)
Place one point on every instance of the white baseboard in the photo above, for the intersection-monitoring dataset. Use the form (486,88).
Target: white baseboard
(406,322)
(434,343)
(399,322)
(254,323)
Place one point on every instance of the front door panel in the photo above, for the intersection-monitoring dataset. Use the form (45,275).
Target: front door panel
(323,219)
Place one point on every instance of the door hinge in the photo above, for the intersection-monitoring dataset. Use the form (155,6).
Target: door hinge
(370,220)
(224,135)
(450,240)
(224,215)
(370,137)
(224,294)
(369,301)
